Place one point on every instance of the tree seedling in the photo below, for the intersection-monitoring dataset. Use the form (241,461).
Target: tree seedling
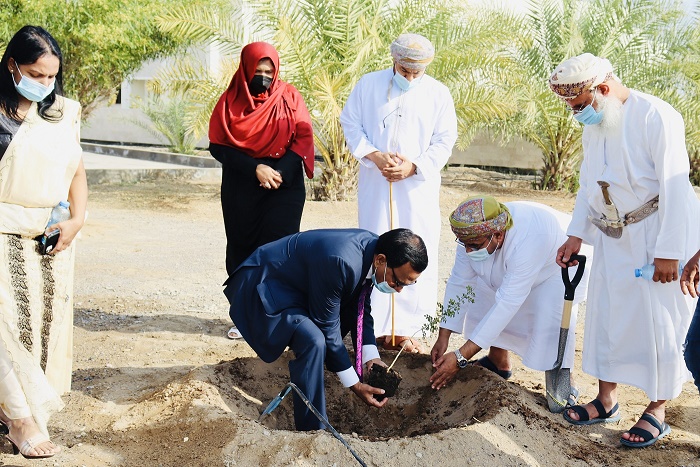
(388,379)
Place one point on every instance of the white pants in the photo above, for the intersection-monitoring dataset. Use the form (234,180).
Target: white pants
(12,399)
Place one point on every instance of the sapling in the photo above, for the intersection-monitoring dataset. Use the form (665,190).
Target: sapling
(389,379)
(432,323)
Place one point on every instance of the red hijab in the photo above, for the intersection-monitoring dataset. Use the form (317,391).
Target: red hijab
(265,125)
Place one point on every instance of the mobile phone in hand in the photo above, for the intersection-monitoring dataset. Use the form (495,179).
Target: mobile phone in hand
(48,242)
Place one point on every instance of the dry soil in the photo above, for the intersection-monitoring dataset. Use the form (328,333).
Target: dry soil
(157,383)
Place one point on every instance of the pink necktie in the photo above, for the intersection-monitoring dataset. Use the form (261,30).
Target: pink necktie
(360,321)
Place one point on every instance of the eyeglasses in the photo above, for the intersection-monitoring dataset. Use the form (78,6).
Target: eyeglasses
(469,246)
(389,115)
(577,109)
(397,282)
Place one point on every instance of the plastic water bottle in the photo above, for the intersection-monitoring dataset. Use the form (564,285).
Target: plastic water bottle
(59,213)
(647,271)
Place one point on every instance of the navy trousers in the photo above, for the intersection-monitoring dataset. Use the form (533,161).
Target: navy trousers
(692,346)
(306,371)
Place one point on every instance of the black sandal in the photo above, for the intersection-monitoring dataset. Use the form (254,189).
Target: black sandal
(603,417)
(489,365)
(648,438)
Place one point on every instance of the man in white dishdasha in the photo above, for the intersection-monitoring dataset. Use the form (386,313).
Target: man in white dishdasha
(401,126)
(636,206)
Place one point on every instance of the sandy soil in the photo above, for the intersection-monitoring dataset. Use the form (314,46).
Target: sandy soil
(156,382)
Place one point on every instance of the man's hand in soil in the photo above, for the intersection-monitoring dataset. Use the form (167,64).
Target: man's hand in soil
(366,393)
(446,369)
(446,366)
(440,346)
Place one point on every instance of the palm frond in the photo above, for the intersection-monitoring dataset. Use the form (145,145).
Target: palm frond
(222,26)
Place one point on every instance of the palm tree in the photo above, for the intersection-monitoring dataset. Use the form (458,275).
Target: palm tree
(220,23)
(639,37)
(327,45)
(166,122)
(685,92)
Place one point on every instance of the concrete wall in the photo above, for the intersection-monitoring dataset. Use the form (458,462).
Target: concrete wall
(146,154)
(115,123)
(517,154)
(115,126)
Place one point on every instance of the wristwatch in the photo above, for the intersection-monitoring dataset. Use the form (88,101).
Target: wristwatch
(461,361)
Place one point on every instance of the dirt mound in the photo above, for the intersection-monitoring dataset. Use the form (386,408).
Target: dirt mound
(210,414)
(416,409)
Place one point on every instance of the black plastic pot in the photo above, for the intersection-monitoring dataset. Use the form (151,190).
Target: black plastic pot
(379,378)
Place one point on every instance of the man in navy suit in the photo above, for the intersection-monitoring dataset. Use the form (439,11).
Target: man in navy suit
(303,292)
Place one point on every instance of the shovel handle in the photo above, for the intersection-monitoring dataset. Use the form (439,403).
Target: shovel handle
(570,284)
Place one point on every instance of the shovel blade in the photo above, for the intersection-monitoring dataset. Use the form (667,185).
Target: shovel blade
(275,402)
(558,388)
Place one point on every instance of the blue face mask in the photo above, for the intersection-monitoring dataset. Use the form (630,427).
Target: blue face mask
(33,90)
(589,116)
(480,254)
(383,286)
(405,84)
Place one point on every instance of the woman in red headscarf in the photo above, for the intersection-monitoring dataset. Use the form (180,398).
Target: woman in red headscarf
(261,133)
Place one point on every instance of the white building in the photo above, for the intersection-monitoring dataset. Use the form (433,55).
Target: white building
(115,123)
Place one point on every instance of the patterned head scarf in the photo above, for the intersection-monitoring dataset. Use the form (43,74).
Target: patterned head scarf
(412,51)
(479,216)
(579,74)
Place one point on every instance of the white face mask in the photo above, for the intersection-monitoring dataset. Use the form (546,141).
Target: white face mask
(31,89)
(481,254)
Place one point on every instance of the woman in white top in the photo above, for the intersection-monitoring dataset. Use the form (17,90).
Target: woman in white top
(40,166)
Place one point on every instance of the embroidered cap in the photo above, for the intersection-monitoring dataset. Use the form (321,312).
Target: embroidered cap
(479,216)
(578,74)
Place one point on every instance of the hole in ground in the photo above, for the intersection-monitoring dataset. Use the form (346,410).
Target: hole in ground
(474,396)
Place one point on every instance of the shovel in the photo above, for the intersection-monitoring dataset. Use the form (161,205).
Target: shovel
(557,380)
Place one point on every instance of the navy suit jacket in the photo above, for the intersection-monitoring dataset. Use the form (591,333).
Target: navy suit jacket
(316,275)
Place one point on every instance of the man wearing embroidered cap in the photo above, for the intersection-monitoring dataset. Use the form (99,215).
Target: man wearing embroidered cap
(401,126)
(506,254)
(636,206)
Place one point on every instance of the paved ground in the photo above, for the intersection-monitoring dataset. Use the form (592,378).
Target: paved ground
(101,162)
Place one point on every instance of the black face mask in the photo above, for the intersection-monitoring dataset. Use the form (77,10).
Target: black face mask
(259,84)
